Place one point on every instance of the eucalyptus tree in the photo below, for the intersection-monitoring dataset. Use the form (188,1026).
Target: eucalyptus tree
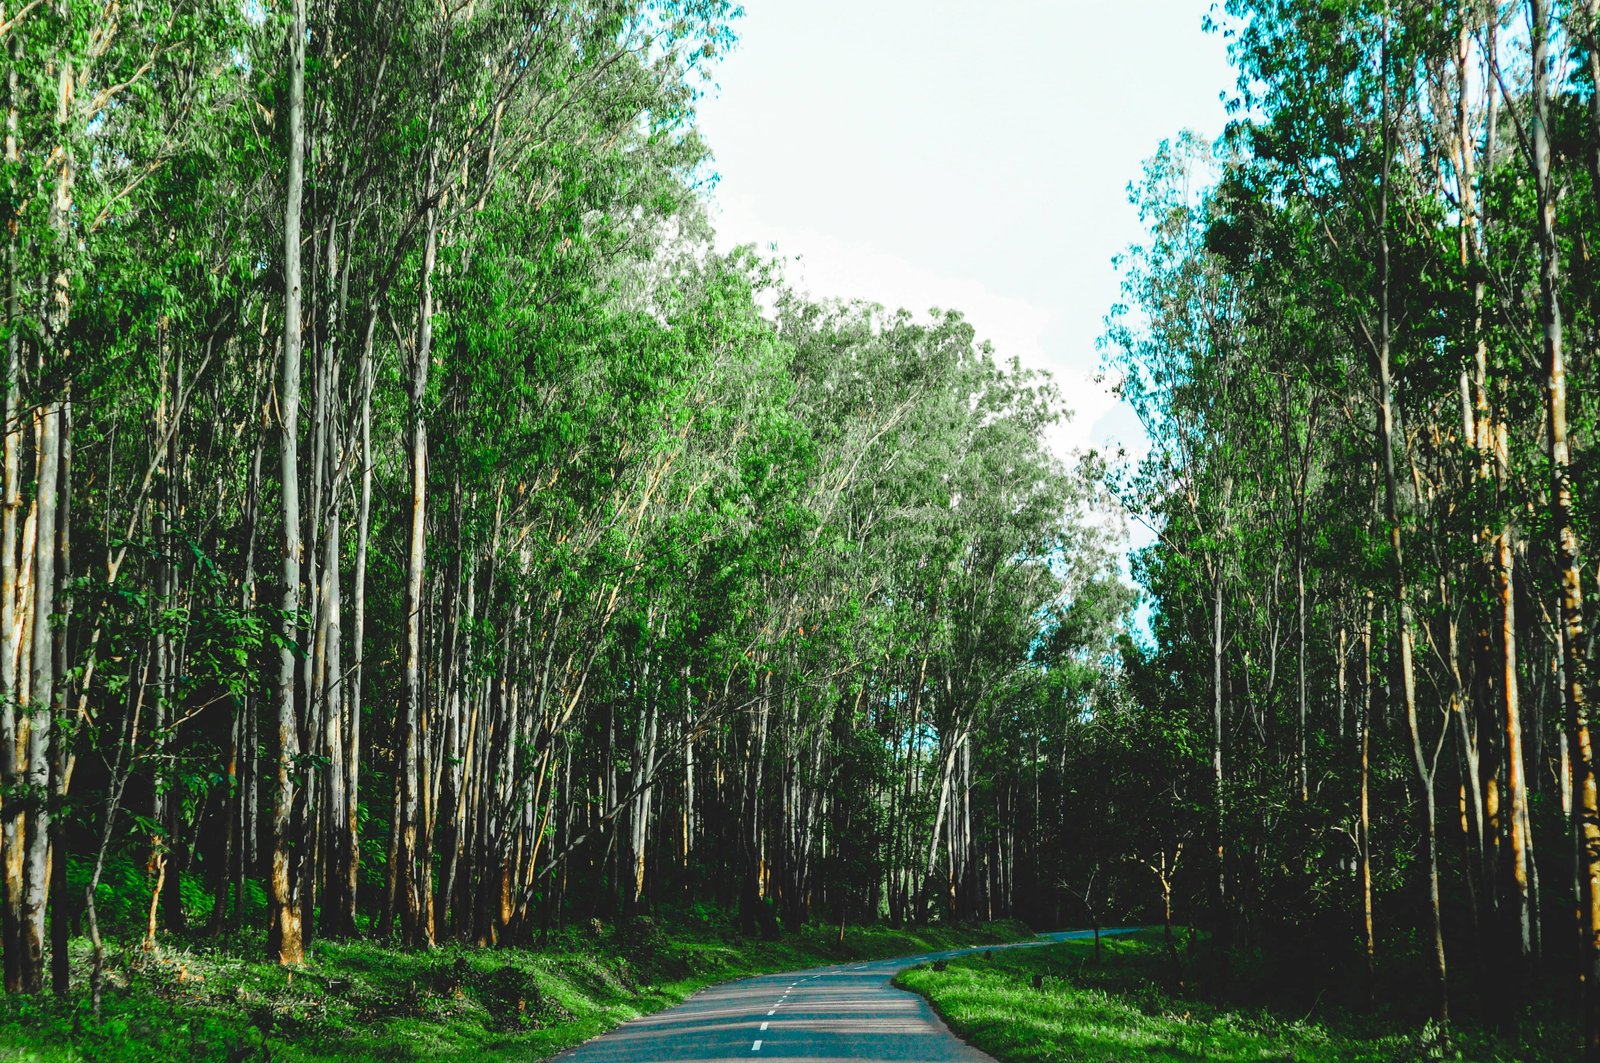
(1178,364)
(1574,655)
(99,103)
(1401,279)
(371,366)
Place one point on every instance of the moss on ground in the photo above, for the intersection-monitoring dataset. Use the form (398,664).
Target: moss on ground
(361,1000)
(1057,1004)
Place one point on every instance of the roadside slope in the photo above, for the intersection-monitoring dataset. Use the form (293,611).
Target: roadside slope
(1056,1003)
(360,1000)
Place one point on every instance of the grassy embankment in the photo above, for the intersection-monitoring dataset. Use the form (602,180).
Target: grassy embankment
(1056,1003)
(356,1000)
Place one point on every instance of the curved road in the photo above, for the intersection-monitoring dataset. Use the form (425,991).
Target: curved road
(827,1013)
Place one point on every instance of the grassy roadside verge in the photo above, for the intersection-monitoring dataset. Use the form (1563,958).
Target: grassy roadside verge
(1055,1003)
(360,1000)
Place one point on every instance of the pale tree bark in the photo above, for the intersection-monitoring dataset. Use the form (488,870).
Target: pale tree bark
(457,654)
(946,769)
(330,688)
(39,704)
(413,886)
(327,684)
(352,833)
(644,767)
(285,938)
(11,823)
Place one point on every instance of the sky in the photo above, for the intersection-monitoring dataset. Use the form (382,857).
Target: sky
(963,154)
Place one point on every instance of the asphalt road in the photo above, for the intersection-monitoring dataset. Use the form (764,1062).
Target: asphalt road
(824,1014)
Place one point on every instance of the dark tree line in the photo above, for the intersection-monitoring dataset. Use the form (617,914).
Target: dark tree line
(1361,336)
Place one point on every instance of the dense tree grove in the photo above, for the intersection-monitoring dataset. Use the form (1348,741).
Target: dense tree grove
(413,528)
(1360,335)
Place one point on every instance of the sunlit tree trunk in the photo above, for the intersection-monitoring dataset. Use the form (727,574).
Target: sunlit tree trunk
(414,887)
(1516,784)
(285,937)
(39,703)
(11,821)
(1574,659)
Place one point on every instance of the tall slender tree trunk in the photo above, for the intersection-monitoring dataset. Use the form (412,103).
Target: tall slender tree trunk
(1369,942)
(415,889)
(328,682)
(61,737)
(1589,33)
(751,918)
(1480,779)
(1300,610)
(39,704)
(245,786)
(336,907)
(457,694)
(946,770)
(1219,804)
(11,820)
(352,830)
(1574,656)
(1516,784)
(285,939)
(1403,617)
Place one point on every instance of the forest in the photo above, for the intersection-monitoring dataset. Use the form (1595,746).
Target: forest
(415,531)
(1361,336)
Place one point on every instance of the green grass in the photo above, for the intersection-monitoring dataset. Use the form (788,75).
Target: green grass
(1118,1009)
(359,1000)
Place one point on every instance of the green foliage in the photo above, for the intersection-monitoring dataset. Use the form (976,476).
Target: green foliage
(620,574)
(1337,337)
(364,1001)
(1060,1002)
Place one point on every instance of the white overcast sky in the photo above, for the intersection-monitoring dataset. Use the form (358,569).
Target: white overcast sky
(970,154)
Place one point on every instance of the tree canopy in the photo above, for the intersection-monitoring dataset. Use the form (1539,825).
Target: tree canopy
(414,527)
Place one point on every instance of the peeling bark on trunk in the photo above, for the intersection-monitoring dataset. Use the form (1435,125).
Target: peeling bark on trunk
(284,940)
(1567,551)
(12,822)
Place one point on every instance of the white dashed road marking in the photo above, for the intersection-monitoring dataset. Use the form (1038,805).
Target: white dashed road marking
(756,1047)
